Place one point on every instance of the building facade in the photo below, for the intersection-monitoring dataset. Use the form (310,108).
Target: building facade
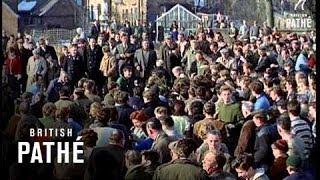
(10,17)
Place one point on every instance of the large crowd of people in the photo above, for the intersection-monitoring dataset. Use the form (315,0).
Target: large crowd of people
(207,105)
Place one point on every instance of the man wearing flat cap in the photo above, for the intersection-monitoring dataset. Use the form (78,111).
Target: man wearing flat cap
(262,147)
(181,165)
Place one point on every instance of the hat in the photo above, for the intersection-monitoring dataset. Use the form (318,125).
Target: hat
(224,50)
(294,161)
(260,115)
(281,144)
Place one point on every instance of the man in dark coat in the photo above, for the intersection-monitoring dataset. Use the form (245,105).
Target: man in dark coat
(145,60)
(108,161)
(264,61)
(55,86)
(94,57)
(74,66)
(262,148)
(124,53)
(95,30)
(180,167)
(46,49)
(24,54)
(123,109)
(169,54)
(161,140)
(126,79)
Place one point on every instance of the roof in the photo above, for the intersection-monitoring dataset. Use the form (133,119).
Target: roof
(47,7)
(26,6)
(180,7)
(5,5)
(12,4)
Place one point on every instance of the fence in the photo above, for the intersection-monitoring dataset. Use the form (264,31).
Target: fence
(55,36)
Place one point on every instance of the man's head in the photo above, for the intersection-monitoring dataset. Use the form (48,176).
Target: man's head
(224,53)
(293,163)
(199,55)
(161,112)
(63,76)
(209,108)
(39,79)
(89,137)
(73,50)
(49,109)
(154,127)
(117,137)
(256,88)
(312,111)
(242,164)
(226,94)
(145,44)
(182,148)
(36,53)
(92,42)
(150,157)
(132,158)
(294,108)
(213,161)
(259,119)
(214,46)
(247,108)
(124,38)
(148,96)
(24,107)
(180,37)
(168,40)
(64,91)
(276,93)
(127,72)
(177,70)
(283,125)
(42,43)
(214,140)
(121,97)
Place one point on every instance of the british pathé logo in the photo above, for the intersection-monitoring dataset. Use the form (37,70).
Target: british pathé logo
(297,21)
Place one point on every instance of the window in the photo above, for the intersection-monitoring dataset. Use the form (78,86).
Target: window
(91,12)
(99,10)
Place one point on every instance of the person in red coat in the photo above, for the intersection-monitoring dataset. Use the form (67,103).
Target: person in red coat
(13,70)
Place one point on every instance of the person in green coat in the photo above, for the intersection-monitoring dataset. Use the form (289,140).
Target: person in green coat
(180,167)
(230,114)
(126,79)
(136,170)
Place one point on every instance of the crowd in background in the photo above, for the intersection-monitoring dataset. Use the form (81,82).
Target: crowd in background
(203,106)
